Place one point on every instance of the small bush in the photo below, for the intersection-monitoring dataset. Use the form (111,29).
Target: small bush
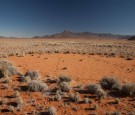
(36,85)
(58,97)
(19,101)
(33,75)
(131,113)
(128,89)
(117,101)
(16,94)
(63,78)
(52,110)
(63,86)
(100,93)
(110,83)
(4,101)
(86,100)
(95,106)
(116,113)
(11,108)
(7,69)
(75,97)
(92,88)
(107,113)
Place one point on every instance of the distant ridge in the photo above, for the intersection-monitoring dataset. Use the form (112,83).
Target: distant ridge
(69,34)
(131,38)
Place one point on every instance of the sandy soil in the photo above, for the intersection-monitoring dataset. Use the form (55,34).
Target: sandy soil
(84,69)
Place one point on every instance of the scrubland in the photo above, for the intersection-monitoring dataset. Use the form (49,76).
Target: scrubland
(67,76)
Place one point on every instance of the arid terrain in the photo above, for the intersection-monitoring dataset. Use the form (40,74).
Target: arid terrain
(67,76)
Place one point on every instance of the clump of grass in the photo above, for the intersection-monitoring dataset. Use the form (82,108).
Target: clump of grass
(92,88)
(36,85)
(58,97)
(33,75)
(11,108)
(100,93)
(7,69)
(86,100)
(110,83)
(95,106)
(64,78)
(19,101)
(4,101)
(117,101)
(107,113)
(52,110)
(75,97)
(16,94)
(131,113)
(64,87)
(128,89)
(116,113)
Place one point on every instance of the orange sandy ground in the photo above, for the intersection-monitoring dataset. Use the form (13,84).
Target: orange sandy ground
(84,69)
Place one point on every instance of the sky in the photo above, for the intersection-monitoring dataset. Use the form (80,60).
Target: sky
(28,18)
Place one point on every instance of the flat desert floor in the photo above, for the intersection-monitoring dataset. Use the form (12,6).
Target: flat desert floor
(84,68)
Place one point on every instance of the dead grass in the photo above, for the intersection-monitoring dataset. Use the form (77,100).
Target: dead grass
(109,48)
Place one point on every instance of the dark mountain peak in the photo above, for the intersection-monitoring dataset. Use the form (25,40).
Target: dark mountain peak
(69,34)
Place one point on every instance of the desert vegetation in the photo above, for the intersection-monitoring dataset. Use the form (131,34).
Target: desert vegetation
(104,47)
(56,77)
(29,93)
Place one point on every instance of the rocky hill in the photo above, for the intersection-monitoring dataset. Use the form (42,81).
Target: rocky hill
(69,34)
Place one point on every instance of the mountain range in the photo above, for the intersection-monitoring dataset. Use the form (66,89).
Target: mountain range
(69,34)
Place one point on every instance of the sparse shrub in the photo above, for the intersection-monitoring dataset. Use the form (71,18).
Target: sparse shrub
(5,86)
(21,54)
(36,85)
(64,86)
(18,108)
(11,108)
(71,96)
(80,86)
(92,88)
(131,113)
(110,83)
(58,97)
(34,75)
(4,101)
(116,113)
(117,101)
(128,89)
(58,91)
(129,58)
(100,93)
(6,69)
(95,106)
(107,113)
(16,94)
(86,100)
(52,110)
(75,108)
(6,80)
(19,101)
(25,79)
(64,78)
(75,97)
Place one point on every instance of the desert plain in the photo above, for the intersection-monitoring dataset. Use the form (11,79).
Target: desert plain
(78,76)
